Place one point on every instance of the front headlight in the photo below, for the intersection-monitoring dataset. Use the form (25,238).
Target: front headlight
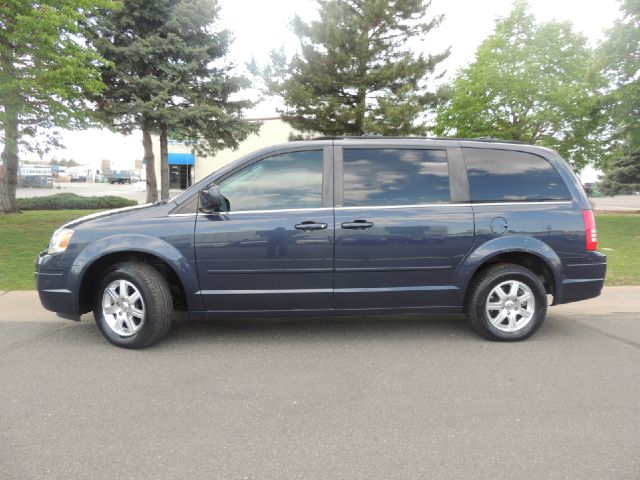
(60,240)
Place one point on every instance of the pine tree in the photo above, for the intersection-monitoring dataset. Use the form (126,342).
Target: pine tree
(623,175)
(164,78)
(199,108)
(356,72)
(620,53)
(129,38)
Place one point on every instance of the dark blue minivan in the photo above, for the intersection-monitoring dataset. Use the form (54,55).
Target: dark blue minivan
(339,226)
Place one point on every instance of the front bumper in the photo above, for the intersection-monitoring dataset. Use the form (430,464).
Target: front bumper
(53,288)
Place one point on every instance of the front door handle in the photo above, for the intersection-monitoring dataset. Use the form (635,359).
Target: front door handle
(357,225)
(311,225)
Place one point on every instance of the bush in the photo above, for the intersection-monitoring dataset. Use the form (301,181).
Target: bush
(71,201)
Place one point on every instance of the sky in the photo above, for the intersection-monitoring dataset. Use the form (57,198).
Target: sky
(259,26)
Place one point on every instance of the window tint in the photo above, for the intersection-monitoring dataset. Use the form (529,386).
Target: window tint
(381,177)
(508,176)
(288,180)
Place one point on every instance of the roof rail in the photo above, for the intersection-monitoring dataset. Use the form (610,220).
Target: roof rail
(375,136)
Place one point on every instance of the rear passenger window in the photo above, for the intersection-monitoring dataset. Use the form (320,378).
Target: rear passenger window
(508,176)
(383,177)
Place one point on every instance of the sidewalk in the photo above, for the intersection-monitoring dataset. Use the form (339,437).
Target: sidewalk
(612,300)
(24,305)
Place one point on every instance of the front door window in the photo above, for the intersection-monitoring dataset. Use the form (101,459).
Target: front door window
(287,181)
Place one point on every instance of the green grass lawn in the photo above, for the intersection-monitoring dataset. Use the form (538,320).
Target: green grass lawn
(619,239)
(23,236)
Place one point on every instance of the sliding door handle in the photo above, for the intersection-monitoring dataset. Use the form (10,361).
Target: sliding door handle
(357,225)
(311,225)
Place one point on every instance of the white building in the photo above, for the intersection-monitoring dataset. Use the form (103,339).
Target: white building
(186,168)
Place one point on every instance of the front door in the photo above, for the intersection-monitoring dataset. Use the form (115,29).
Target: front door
(398,235)
(273,249)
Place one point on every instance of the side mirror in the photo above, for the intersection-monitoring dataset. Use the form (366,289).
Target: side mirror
(211,199)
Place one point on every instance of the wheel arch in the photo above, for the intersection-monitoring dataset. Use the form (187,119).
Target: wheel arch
(165,258)
(527,252)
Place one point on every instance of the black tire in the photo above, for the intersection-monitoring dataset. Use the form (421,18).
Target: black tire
(157,304)
(481,287)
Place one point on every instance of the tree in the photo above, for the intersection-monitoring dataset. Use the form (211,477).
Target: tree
(623,175)
(199,108)
(620,54)
(168,78)
(533,82)
(63,162)
(356,72)
(46,72)
(129,38)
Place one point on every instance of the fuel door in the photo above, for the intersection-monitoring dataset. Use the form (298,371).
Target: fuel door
(499,225)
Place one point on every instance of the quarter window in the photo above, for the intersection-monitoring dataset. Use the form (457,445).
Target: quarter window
(383,177)
(285,181)
(508,176)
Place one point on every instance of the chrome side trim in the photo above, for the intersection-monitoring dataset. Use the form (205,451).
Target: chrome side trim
(395,289)
(395,207)
(381,207)
(257,292)
(330,310)
(390,269)
(595,264)
(542,202)
(327,290)
(284,210)
(581,280)
(254,271)
(319,209)
(470,204)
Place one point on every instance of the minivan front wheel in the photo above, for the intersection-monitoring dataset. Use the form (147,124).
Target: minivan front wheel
(133,306)
(123,308)
(506,302)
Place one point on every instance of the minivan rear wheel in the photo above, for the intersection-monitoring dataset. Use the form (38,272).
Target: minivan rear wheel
(133,306)
(506,302)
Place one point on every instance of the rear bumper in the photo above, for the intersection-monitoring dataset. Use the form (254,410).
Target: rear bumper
(576,290)
(583,280)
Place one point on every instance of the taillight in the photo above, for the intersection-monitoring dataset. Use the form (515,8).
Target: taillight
(590,230)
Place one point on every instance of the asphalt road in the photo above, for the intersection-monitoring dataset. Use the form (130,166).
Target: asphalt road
(619,203)
(135,191)
(378,398)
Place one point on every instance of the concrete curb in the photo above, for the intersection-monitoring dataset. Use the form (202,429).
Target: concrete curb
(612,300)
(621,211)
(24,305)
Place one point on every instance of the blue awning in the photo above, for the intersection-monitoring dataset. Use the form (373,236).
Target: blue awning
(182,159)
